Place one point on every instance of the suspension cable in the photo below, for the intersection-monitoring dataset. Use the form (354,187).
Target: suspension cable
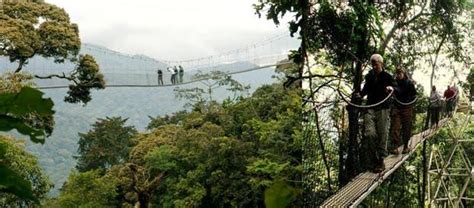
(406,104)
(364,106)
(170,85)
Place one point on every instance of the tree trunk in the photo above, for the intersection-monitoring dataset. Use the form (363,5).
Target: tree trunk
(143,200)
(20,65)
(352,162)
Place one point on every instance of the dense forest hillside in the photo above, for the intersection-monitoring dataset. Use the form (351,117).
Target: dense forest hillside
(136,104)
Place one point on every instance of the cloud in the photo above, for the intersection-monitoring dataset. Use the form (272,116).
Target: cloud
(171,30)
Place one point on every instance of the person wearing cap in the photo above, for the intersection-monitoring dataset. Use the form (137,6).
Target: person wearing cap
(379,84)
(402,112)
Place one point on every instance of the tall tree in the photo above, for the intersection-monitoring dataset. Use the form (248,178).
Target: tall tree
(19,169)
(346,33)
(198,97)
(21,108)
(87,189)
(108,143)
(36,28)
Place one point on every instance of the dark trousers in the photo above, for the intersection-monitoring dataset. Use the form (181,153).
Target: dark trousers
(173,79)
(449,107)
(375,132)
(160,80)
(434,112)
(401,124)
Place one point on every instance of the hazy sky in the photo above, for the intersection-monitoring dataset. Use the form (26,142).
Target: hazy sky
(169,29)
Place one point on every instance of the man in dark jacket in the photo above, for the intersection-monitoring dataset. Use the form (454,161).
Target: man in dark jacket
(402,112)
(378,86)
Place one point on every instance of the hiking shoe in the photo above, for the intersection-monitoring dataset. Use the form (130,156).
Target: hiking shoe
(378,168)
(406,150)
(395,151)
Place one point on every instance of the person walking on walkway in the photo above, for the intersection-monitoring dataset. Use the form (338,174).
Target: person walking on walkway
(449,97)
(160,77)
(181,74)
(435,106)
(378,86)
(402,112)
(173,75)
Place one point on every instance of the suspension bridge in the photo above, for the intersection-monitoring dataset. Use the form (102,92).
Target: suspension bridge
(268,53)
(353,193)
(443,173)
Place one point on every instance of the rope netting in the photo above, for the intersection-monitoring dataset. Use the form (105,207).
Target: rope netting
(326,152)
(152,80)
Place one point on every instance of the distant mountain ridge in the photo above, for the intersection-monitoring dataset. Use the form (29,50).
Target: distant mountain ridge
(109,61)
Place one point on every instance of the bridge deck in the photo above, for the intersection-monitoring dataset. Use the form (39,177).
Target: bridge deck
(353,193)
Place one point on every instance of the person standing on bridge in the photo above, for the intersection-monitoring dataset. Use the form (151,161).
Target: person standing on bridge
(435,106)
(181,74)
(449,96)
(173,75)
(378,86)
(402,112)
(160,77)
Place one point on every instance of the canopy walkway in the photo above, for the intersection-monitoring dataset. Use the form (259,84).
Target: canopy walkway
(353,193)
(147,80)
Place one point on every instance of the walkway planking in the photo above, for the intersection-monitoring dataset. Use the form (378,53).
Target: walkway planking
(353,193)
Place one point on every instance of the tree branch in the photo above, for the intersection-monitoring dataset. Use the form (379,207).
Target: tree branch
(20,65)
(399,25)
(63,76)
(291,79)
(317,90)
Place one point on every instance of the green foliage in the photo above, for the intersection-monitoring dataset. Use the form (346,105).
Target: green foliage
(469,85)
(279,195)
(221,155)
(13,82)
(108,143)
(175,118)
(36,28)
(31,28)
(14,107)
(203,169)
(400,190)
(277,9)
(88,189)
(25,110)
(211,81)
(22,182)
(85,77)
(345,34)
(11,182)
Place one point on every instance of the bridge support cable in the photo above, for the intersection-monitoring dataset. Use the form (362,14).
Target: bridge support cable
(353,193)
(149,84)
